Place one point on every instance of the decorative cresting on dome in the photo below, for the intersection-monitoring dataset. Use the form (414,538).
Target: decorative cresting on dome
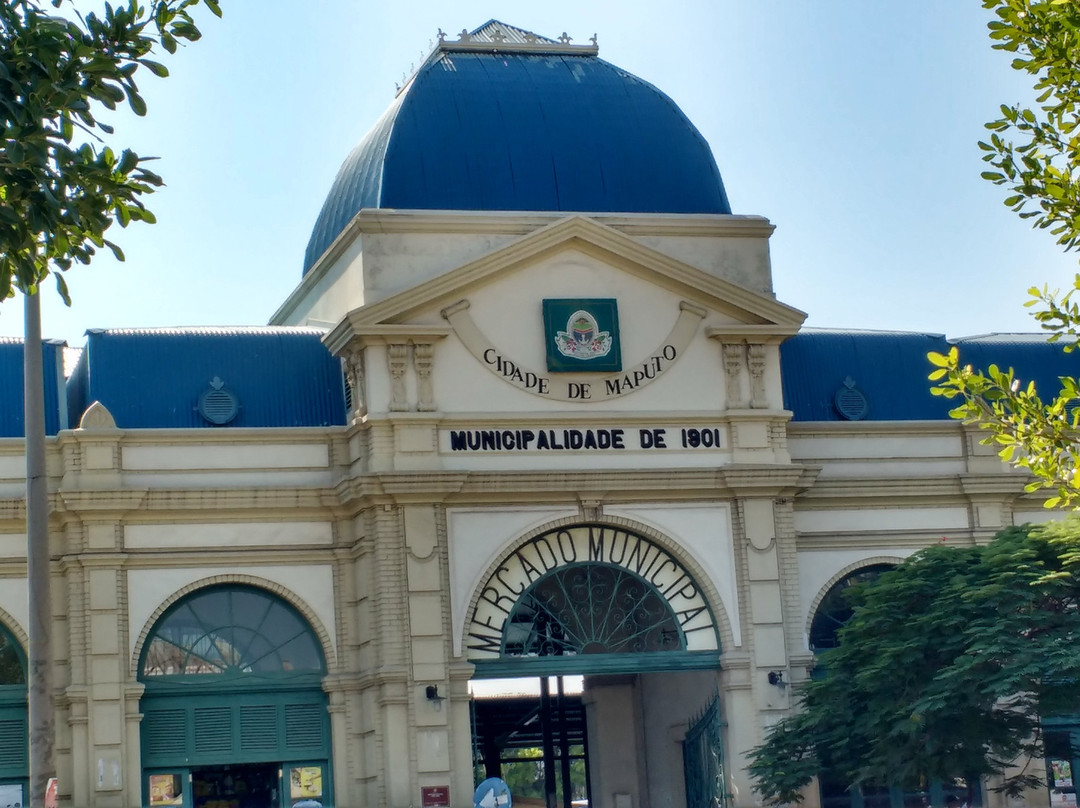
(502,119)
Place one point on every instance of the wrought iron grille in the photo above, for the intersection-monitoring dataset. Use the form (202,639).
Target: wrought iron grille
(591,609)
(703,759)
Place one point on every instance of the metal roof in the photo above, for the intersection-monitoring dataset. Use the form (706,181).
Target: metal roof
(506,126)
(153,378)
(890,370)
(12,424)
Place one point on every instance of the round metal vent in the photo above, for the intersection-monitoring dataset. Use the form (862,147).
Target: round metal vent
(850,401)
(217,405)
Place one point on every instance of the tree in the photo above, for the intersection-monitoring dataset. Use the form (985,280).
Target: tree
(61,189)
(1034,154)
(944,669)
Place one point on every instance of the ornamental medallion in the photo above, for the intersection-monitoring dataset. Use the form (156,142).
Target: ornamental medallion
(582,335)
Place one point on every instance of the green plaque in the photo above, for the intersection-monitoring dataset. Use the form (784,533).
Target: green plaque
(582,335)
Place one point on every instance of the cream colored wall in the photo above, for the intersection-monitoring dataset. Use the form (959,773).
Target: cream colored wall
(386,252)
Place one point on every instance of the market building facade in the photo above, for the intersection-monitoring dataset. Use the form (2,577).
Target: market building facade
(533,412)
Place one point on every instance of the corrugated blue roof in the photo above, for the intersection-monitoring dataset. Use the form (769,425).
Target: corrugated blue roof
(153,378)
(521,131)
(890,369)
(12,424)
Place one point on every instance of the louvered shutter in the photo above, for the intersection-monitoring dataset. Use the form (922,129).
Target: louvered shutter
(259,728)
(13,747)
(164,734)
(213,730)
(304,728)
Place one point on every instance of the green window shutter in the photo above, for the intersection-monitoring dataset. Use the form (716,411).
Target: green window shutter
(164,733)
(213,730)
(304,727)
(258,727)
(13,745)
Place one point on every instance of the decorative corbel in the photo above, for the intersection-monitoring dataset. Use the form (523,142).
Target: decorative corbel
(592,510)
(424,360)
(397,356)
(357,381)
(733,365)
(759,399)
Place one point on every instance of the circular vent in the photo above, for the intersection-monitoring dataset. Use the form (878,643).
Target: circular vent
(217,405)
(850,402)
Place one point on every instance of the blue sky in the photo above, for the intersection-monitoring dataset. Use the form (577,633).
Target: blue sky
(851,125)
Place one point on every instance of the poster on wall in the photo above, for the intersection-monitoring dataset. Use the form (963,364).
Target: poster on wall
(1062,772)
(165,789)
(305,786)
(1062,799)
(11,795)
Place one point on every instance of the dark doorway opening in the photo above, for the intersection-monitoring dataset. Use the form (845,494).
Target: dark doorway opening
(253,785)
(537,744)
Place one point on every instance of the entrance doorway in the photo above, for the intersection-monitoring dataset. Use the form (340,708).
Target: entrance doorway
(234,714)
(622,615)
(536,743)
(253,785)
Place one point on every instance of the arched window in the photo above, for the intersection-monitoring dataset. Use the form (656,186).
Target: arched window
(14,744)
(231,630)
(835,610)
(591,609)
(12,665)
(233,676)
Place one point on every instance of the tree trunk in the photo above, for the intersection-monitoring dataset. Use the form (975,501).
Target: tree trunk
(42,733)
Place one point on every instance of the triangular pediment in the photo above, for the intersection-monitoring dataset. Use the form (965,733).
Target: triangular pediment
(748,308)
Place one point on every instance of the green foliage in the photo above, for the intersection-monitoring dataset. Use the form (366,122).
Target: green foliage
(1034,154)
(61,187)
(525,776)
(944,669)
(1030,432)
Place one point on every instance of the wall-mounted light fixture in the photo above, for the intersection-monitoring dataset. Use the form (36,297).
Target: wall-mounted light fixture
(777,678)
(431,692)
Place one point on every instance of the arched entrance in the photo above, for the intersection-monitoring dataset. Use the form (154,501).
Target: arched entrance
(233,711)
(618,612)
(14,739)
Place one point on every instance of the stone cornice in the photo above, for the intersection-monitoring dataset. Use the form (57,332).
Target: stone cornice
(345,335)
(372,220)
(98,501)
(834,429)
(604,243)
(606,485)
(938,490)
(890,539)
(212,437)
(239,557)
(756,334)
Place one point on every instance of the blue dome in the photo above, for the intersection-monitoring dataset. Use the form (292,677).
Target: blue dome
(524,130)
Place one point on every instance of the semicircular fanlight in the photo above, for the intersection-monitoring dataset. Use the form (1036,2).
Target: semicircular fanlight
(231,630)
(12,670)
(835,610)
(591,609)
